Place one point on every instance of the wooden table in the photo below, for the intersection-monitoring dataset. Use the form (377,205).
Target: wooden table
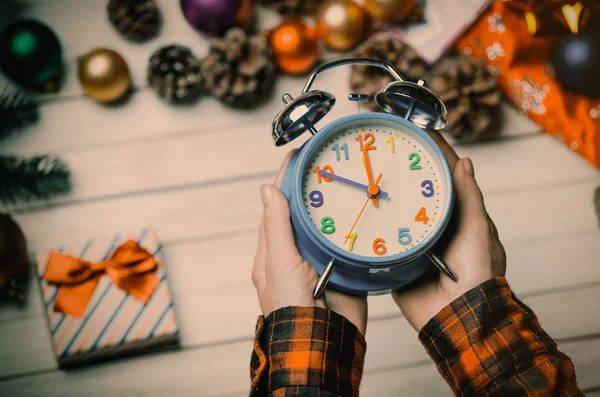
(192,173)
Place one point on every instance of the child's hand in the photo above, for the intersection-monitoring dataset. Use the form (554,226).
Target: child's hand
(281,276)
(474,253)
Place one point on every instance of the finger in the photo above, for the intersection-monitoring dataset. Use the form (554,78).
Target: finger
(281,247)
(258,269)
(354,308)
(283,167)
(472,214)
(448,151)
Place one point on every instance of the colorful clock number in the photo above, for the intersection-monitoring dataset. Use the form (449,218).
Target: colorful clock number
(321,178)
(390,140)
(379,247)
(352,238)
(428,185)
(422,216)
(327,225)
(415,158)
(366,141)
(336,148)
(404,236)
(317,198)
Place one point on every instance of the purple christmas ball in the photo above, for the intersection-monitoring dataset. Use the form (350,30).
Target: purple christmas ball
(215,17)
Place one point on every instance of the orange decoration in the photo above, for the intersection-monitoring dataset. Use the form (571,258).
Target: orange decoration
(131,268)
(501,38)
(295,46)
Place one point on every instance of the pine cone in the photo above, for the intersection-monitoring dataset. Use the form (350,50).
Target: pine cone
(239,70)
(17,110)
(137,20)
(174,73)
(388,47)
(471,95)
(293,7)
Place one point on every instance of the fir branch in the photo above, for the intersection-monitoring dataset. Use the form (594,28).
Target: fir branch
(39,177)
(17,110)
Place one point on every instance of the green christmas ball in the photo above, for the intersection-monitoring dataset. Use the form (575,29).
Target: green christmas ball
(31,56)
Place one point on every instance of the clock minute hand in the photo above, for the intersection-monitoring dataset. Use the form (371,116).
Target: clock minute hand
(346,181)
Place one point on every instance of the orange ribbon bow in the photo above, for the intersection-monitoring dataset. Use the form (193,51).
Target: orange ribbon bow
(131,268)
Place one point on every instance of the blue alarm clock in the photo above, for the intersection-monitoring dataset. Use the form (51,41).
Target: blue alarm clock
(370,194)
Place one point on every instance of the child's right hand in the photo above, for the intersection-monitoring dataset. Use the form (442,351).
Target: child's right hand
(474,253)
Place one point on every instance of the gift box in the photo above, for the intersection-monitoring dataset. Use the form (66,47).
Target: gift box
(445,22)
(503,38)
(107,297)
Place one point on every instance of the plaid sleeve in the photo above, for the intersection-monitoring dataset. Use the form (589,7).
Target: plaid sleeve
(487,342)
(306,351)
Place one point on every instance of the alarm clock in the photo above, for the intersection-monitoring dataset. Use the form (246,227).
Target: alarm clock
(370,193)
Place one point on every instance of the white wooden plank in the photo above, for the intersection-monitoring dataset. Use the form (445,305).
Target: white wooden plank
(75,125)
(423,380)
(196,287)
(212,231)
(186,372)
(219,155)
(203,212)
(586,358)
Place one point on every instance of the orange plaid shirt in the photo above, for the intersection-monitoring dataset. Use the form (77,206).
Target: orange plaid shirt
(486,342)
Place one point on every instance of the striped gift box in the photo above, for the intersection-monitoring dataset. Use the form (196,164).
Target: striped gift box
(114,323)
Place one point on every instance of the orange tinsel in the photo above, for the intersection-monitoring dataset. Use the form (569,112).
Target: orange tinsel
(522,63)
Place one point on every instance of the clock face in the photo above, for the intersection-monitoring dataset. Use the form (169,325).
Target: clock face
(376,188)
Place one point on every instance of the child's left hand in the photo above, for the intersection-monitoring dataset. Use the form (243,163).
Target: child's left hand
(281,276)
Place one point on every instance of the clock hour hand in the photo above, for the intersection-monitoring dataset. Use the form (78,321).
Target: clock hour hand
(346,181)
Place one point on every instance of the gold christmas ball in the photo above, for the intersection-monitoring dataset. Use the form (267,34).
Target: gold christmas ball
(104,75)
(389,10)
(342,24)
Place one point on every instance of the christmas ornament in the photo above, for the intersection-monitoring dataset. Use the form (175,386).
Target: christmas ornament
(174,74)
(30,55)
(215,17)
(471,95)
(294,46)
(137,20)
(388,47)
(239,70)
(293,7)
(551,17)
(576,64)
(17,110)
(392,11)
(104,75)
(39,177)
(342,24)
(398,235)
(13,259)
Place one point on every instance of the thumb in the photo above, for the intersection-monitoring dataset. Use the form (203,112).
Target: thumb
(472,213)
(281,246)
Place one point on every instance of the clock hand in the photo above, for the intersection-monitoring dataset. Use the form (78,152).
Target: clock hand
(368,166)
(367,163)
(350,182)
(360,213)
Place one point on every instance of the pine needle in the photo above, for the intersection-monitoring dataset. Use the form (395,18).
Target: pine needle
(17,110)
(37,178)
